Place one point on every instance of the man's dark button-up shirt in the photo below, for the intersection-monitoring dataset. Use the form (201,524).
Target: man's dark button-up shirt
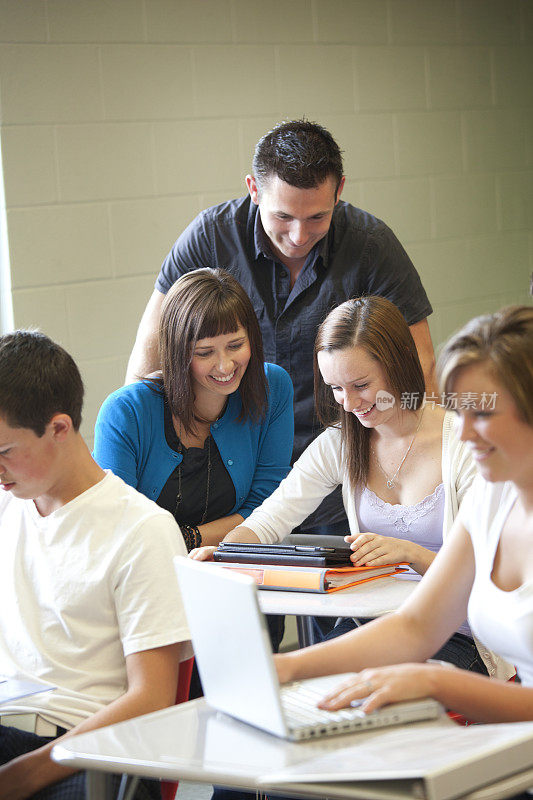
(359,255)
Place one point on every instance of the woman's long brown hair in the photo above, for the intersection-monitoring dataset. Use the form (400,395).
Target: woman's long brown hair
(376,325)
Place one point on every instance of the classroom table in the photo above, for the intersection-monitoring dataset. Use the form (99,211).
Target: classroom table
(370,599)
(194,742)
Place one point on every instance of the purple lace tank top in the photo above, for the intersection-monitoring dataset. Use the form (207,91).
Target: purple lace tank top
(421,523)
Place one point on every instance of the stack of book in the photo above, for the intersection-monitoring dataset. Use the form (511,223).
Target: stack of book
(312,579)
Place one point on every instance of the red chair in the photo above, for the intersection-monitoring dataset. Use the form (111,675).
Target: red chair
(169,788)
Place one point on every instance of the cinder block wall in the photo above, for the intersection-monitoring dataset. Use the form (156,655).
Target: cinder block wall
(121,119)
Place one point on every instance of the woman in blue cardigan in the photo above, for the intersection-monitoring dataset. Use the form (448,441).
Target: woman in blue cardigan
(210,437)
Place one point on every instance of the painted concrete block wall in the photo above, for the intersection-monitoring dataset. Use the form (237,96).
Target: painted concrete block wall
(121,119)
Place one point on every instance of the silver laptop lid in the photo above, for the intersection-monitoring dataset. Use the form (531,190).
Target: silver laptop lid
(231,644)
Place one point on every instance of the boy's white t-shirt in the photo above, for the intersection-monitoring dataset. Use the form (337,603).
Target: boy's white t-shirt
(82,588)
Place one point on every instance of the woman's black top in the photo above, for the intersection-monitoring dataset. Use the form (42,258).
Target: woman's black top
(194,481)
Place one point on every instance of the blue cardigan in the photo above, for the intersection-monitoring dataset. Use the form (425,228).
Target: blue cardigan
(130,441)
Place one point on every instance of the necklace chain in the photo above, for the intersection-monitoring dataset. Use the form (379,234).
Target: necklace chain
(390,481)
(208,481)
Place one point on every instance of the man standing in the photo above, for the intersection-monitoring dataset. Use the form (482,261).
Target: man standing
(298,250)
(90,602)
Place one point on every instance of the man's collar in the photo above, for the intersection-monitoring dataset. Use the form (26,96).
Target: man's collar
(261,240)
(322,248)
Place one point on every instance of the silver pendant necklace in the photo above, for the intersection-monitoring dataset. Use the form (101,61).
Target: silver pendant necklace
(390,481)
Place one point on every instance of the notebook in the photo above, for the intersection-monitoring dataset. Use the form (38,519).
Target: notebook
(235,662)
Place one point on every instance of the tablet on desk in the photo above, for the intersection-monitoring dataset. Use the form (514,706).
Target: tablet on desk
(293,555)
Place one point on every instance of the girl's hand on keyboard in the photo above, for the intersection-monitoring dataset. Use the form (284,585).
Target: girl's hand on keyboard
(383,685)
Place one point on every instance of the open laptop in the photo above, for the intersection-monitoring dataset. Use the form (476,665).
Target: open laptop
(234,659)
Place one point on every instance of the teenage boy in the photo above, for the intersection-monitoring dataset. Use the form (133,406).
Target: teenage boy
(90,603)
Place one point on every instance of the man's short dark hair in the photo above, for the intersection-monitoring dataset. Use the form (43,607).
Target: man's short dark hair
(301,153)
(38,379)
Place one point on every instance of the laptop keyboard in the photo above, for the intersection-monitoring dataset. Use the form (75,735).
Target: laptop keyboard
(299,703)
(305,720)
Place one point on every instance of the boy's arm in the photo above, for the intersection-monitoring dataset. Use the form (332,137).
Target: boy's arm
(152,680)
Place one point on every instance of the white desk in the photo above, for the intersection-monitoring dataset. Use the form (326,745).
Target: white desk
(371,599)
(193,742)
